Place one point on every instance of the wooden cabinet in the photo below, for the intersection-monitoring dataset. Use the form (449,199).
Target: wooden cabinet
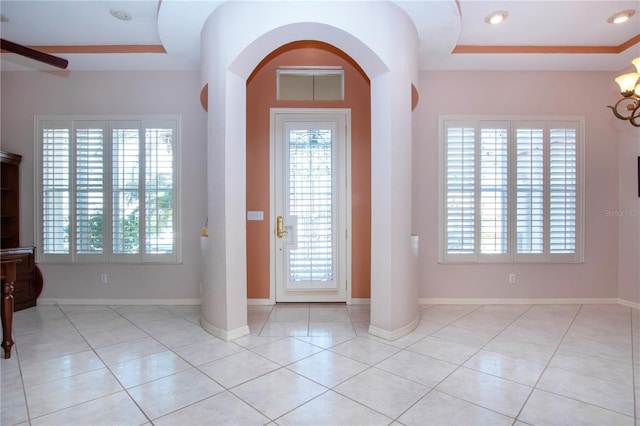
(25,286)
(28,281)
(10,199)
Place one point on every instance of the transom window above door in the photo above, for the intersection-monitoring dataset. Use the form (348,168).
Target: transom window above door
(310,84)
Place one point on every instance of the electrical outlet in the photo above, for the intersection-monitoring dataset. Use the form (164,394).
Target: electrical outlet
(104,278)
(512,278)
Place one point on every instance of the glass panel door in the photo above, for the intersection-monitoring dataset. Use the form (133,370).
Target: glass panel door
(310,206)
(310,255)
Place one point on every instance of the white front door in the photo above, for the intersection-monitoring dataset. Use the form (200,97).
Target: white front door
(310,204)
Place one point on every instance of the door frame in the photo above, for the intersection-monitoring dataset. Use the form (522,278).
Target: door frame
(273,112)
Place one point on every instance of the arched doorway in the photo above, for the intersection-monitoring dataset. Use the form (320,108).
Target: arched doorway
(383,42)
(261,97)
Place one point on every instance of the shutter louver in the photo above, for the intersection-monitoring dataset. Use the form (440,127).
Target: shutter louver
(562,190)
(159,215)
(126,193)
(55,190)
(493,187)
(460,190)
(89,190)
(529,191)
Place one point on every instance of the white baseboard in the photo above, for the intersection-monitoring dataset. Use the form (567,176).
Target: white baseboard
(358,301)
(260,302)
(629,304)
(269,302)
(541,301)
(394,334)
(119,302)
(223,334)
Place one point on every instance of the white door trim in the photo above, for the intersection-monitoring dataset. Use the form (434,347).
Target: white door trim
(272,198)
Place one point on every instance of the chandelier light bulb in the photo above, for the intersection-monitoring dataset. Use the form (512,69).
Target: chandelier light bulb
(628,107)
(627,83)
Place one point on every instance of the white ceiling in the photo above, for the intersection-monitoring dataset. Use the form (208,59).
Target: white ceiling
(176,25)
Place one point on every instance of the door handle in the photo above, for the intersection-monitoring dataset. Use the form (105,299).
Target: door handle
(280,227)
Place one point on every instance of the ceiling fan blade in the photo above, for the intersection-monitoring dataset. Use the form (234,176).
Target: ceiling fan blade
(33,54)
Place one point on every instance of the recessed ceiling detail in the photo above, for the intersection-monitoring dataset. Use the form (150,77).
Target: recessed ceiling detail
(621,17)
(165,35)
(120,14)
(496,17)
(599,50)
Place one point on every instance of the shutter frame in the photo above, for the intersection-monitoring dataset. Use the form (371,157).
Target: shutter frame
(562,205)
(83,188)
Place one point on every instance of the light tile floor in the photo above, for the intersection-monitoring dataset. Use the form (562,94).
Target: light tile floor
(316,364)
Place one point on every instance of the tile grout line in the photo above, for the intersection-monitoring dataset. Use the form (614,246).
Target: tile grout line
(457,367)
(149,335)
(532,387)
(151,421)
(16,352)
(592,404)
(92,349)
(107,366)
(535,385)
(96,354)
(369,367)
(332,389)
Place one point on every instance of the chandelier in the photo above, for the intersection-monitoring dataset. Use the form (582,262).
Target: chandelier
(628,107)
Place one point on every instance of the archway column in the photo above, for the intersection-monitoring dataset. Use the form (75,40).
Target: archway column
(383,40)
(224,289)
(394,292)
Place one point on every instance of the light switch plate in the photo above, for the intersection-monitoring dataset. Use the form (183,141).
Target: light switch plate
(255,215)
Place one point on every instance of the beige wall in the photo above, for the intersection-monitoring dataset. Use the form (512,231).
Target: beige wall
(261,96)
(612,247)
(25,94)
(628,214)
(527,93)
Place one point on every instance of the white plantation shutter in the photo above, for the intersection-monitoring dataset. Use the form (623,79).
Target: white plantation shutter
(159,189)
(126,189)
(562,190)
(56,187)
(493,188)
(89,187)
(530,190)
(107,190)
(460,189)
(511,191)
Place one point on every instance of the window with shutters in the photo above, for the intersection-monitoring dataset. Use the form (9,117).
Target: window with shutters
(107,189)
(511,189)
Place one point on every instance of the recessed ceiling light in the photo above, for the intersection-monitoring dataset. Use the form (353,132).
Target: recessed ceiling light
(496,17)
(621,17)
(123,15)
